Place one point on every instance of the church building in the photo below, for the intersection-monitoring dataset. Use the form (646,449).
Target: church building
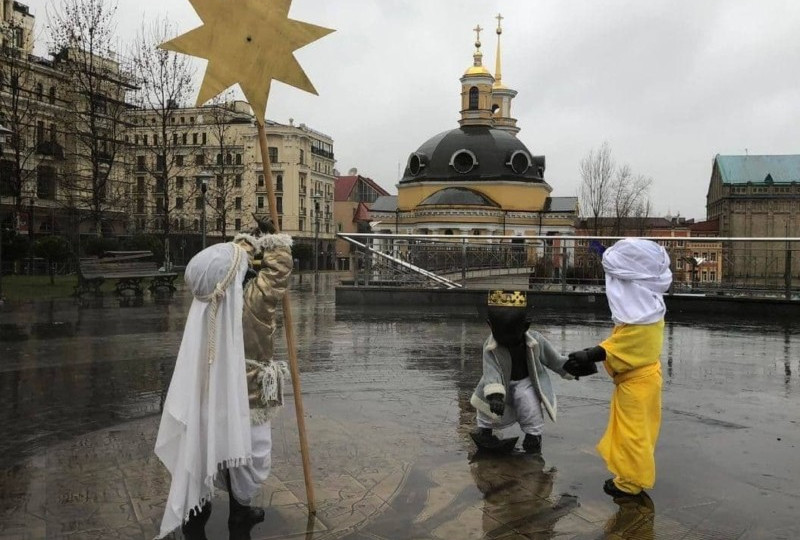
(477,179)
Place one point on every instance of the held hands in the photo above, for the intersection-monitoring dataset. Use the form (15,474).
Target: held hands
(497,403)
(582,363)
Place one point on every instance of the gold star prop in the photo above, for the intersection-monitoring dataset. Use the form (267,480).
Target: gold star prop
(249,42)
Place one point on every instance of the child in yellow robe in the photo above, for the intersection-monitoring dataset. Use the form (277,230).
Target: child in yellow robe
(637,276)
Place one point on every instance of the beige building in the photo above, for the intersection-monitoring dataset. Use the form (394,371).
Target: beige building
(53,179)
(219,143)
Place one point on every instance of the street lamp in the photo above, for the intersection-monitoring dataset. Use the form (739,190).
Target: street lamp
(4,132)
(316,198)
(204,177)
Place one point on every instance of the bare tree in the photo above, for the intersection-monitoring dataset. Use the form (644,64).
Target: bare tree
(597,170)
(225,194)
(21,99)
(164,81)
(628,192)
(641,214)
(82,34)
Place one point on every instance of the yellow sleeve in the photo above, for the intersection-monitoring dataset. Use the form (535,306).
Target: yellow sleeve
(632,346)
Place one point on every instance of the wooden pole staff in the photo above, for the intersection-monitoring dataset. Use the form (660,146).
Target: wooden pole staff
(288,325)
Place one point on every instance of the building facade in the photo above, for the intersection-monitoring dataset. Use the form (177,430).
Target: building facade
(62,167)
(354,197)
(218,145)
(757,196)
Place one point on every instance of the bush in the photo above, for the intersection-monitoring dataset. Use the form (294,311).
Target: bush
(95,246)
(302,252)
(15,246)
(55,249)
(145,242)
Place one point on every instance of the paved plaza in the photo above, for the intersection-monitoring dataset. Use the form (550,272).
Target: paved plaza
(388,417)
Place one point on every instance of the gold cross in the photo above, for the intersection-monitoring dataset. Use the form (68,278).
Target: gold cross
(478,30)
(499,21)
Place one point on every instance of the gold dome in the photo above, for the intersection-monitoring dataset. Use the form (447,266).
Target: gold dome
(477,70)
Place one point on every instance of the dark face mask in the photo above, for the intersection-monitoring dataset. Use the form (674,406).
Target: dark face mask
(508,326)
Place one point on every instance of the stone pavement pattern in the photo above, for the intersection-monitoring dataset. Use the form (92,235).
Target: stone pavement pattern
(386,397)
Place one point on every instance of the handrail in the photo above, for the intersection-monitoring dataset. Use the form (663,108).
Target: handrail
(416,269)
(460,238)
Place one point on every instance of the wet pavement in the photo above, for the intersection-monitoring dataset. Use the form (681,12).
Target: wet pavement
(388,416)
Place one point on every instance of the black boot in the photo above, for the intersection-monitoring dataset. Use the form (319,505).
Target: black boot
(241,515)
(532,444)
(485,440)
(195,526)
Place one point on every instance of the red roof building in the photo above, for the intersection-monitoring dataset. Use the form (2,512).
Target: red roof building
(353,196)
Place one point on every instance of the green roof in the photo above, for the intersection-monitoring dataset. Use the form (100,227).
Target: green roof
(759,169)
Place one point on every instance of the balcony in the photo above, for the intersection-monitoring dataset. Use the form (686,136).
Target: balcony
(320,152)
(50,148)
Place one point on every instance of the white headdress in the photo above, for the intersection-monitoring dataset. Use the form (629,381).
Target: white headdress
(205,426)
(637,276)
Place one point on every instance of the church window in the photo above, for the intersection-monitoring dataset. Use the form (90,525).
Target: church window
(416,162)
(520,162)
(473,98)
(463,161)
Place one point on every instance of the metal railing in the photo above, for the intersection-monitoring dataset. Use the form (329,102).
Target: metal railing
(759,267)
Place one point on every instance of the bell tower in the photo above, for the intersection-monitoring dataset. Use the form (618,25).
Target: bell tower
(476,90)
(501,94)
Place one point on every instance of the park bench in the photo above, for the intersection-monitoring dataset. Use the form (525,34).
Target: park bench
(129,268)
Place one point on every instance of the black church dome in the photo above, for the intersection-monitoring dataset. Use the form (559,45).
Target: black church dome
(474,153)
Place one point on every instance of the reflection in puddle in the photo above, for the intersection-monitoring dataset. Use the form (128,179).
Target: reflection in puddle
(634,519)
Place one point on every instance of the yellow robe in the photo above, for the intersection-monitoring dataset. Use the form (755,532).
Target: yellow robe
(628,446)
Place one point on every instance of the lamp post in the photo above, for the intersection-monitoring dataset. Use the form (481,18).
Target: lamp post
(204,176)
(316,198)
(4,131)
(30,236)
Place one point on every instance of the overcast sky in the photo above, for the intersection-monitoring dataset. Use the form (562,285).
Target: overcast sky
(668,83)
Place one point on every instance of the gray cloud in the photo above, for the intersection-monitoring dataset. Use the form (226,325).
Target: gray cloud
(669,83)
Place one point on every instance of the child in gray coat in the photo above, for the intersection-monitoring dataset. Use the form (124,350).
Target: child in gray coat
(515,387)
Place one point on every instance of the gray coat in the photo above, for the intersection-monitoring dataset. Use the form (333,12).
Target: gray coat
(497,374)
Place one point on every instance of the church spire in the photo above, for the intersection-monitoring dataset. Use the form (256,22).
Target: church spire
(498,72)
(502,96)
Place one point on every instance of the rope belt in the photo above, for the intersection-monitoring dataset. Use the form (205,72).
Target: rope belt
(214,298)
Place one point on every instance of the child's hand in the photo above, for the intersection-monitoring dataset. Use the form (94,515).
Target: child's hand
(578,365)
(497,403)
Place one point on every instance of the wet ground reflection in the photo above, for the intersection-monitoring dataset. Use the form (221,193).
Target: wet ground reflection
(399,381)
(67,370)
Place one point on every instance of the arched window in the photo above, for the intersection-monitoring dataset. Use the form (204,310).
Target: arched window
(229,159)
(219,159)
(473,98)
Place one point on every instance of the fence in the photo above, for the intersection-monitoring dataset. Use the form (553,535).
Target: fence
(768,267)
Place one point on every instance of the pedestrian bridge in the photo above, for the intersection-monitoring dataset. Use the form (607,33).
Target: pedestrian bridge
(755,267)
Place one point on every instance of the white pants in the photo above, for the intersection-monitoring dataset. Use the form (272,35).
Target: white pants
(522,405)
(247,480)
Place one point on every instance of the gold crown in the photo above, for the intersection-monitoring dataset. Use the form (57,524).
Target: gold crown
(508,299)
